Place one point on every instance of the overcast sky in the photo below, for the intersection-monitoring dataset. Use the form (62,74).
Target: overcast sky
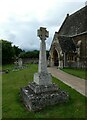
(20,19)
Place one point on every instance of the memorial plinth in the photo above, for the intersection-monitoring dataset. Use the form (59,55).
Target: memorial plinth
(42,92)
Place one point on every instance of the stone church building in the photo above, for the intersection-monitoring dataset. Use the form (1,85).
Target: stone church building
(69,45)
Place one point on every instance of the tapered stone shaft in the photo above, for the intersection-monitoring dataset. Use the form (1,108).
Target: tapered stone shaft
(42,57)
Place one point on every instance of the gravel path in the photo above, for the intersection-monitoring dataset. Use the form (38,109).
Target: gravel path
(76,83)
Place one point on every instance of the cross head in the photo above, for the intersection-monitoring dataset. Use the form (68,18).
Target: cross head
(42,33)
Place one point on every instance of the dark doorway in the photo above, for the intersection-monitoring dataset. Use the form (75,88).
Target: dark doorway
(55,57)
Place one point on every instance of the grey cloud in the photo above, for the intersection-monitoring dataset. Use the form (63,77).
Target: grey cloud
(23,31)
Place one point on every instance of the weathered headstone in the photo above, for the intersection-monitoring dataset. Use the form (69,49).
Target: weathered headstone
(16,63)
(20,63)
(42,92)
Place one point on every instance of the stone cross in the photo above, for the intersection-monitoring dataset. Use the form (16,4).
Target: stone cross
(43,34)
(42,92)
(42,77)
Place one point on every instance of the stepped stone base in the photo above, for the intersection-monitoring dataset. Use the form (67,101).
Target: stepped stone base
(36,97)
(42,88)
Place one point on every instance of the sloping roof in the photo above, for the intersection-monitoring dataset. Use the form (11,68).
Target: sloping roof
(67,44)
(75,23)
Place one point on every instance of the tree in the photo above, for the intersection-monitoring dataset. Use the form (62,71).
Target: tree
(7,51)
(32,54)
(16,50)
(0,52)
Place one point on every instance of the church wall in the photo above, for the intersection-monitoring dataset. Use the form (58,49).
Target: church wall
(79,59)
(83,49)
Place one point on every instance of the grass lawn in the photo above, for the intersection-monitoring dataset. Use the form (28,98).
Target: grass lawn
(12,107)
(8,67)
(0,96)
(76,72)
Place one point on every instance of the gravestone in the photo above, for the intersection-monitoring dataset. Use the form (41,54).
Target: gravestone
(42,92)
(20,63)
(16,63)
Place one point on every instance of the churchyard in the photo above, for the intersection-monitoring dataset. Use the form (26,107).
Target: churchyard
(12,106)
(34,80)
(32,92)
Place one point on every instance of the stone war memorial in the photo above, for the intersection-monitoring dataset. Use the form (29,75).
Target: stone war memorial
(42,92)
